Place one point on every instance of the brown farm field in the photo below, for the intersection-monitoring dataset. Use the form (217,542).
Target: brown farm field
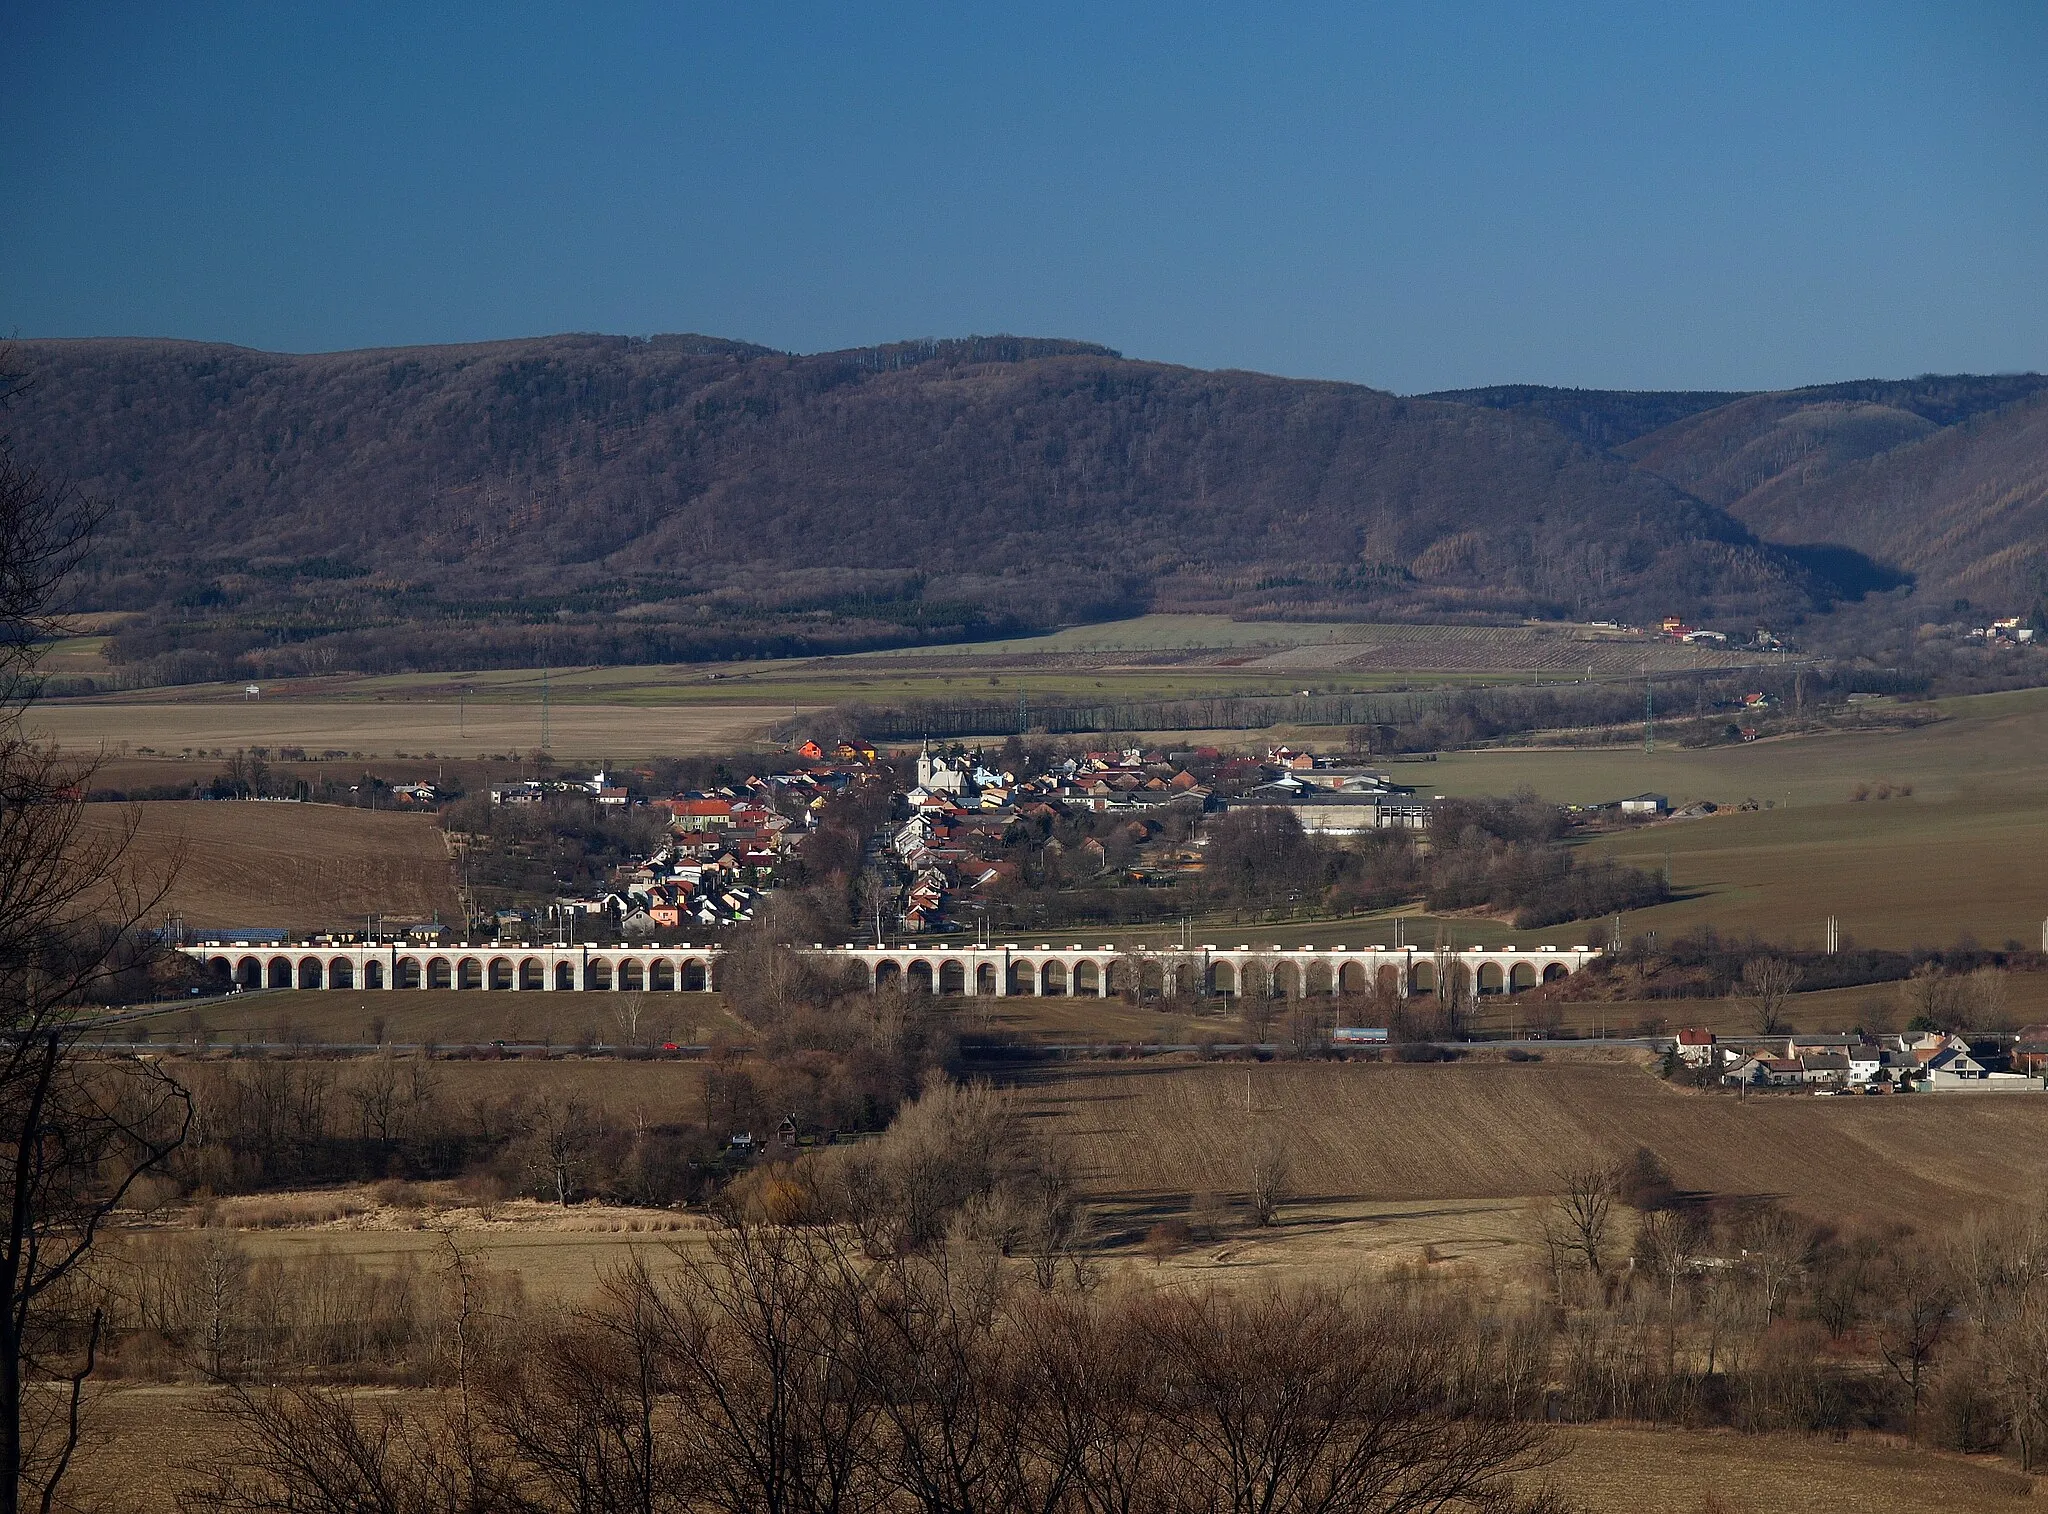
(1627,1470)
(291,866)
(374,728)
(443,1017)
(1158,1133)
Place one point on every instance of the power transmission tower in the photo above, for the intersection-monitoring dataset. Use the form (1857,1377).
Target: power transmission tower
(1834,935)
(546,732)
(1649,717)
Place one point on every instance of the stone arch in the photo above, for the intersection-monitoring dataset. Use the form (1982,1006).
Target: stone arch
(440,973)
(1255,979)
(632,975)
(1052,976)
(469,973)
(220,967)
(1151,979)
(373,973)
(1388,979)
(1461,980)
(1187,980)
(661,976)
(1555,972)
(249,973)
(1354,977)
(501,972)
(1286,980)
(341,973)
(310,975)
(1087,977)
(565,975)
(1316,978)
(533,973)
(696,975)
(1422,978)
(1522,975)
(985,978)
(410,974)
(598,973)
(888,974)
(952,976)
(280,972)
(918,976)
(1023,977)
(1224,978)
(1492,980)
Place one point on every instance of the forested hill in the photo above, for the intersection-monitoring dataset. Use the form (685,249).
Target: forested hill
(599,498)
(1939,481)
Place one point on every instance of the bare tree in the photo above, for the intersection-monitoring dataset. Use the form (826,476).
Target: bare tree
(1268,1175)
(628,1011)
(76,1130)
(558,1146)
(1777,1249)
(1915,1306)
(1767,983)
(1576,1226)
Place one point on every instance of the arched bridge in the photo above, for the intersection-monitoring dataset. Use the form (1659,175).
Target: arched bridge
(1102,971)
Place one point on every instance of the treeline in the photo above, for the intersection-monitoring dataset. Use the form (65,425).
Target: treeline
(1415,721)
(778,1370)
(830,1060)
(1505,855)
(1680,1310)
(1706,963)
(566,844)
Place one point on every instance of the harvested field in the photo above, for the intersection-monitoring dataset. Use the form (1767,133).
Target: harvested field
(292,866)
(443,1017)
(1501,1131)
(1625,1470)
(374,728)
(456,1018)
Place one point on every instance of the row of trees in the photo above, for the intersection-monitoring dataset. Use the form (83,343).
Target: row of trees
(1678,1309)
(779,1370)
(1503,855)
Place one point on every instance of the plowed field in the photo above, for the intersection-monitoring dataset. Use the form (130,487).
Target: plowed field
(292,866)
(1389,1132)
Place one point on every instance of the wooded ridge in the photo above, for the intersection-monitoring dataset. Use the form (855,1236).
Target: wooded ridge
(598,499)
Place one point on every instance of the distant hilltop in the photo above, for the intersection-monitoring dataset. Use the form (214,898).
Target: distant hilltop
(597,499)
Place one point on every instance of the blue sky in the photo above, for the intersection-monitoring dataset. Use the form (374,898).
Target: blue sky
(1717,196)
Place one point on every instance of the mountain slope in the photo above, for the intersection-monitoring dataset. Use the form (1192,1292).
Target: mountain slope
(1942,479)
(1939,481)
(607,498)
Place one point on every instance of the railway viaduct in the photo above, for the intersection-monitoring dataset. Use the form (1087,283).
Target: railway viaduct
(1095,972)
